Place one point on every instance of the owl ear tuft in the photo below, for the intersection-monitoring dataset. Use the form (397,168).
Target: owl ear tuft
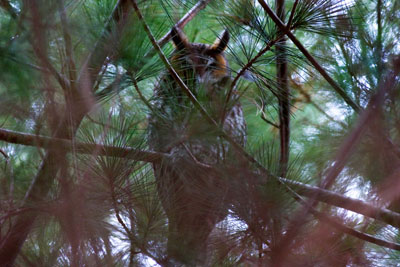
(221,43)
(179,39)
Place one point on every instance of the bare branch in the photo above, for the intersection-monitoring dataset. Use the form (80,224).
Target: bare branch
(344,202)
(48,142)
(292,14)
(141,96)
(350,231)
(180,24)
(268,121)
(184,20)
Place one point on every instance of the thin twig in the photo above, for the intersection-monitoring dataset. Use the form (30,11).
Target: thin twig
(131,236)
(288,25)
(101,75)
(312,102)
(184,20)
(141,96)
(4,153)
(268,121)
(254,59)
(243,70)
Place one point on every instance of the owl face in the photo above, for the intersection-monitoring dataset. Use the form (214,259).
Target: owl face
(206,61)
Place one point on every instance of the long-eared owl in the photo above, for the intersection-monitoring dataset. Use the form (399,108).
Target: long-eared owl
(194,199)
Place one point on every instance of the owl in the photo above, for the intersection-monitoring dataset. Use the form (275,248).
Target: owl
(194,198)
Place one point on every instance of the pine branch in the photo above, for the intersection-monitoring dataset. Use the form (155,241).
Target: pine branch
(350,231)
(307,54)
(251,62)
(321,195)
(202,110)
(348,203)
(128,232)
(101,50)
(243,70)
(344,153)
(83,148)
(346,147)
(284,115)
(288,25)
(184,20)
(11,245)
(283,96)
(180,24)
(268,121)
(192,97)
(280,259)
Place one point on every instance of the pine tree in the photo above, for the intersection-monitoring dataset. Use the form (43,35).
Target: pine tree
(314,185)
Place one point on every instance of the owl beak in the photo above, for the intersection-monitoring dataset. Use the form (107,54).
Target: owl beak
(205,77)
(201,79)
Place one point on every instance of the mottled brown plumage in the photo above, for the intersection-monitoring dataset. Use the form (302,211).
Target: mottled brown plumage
(193,197)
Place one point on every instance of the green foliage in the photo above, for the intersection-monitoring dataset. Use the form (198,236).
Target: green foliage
(103,209)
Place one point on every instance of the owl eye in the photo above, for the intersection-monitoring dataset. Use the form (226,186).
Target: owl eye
(212,65)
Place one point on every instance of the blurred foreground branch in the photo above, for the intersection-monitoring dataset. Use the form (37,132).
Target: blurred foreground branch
(67,125)
(326,196)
